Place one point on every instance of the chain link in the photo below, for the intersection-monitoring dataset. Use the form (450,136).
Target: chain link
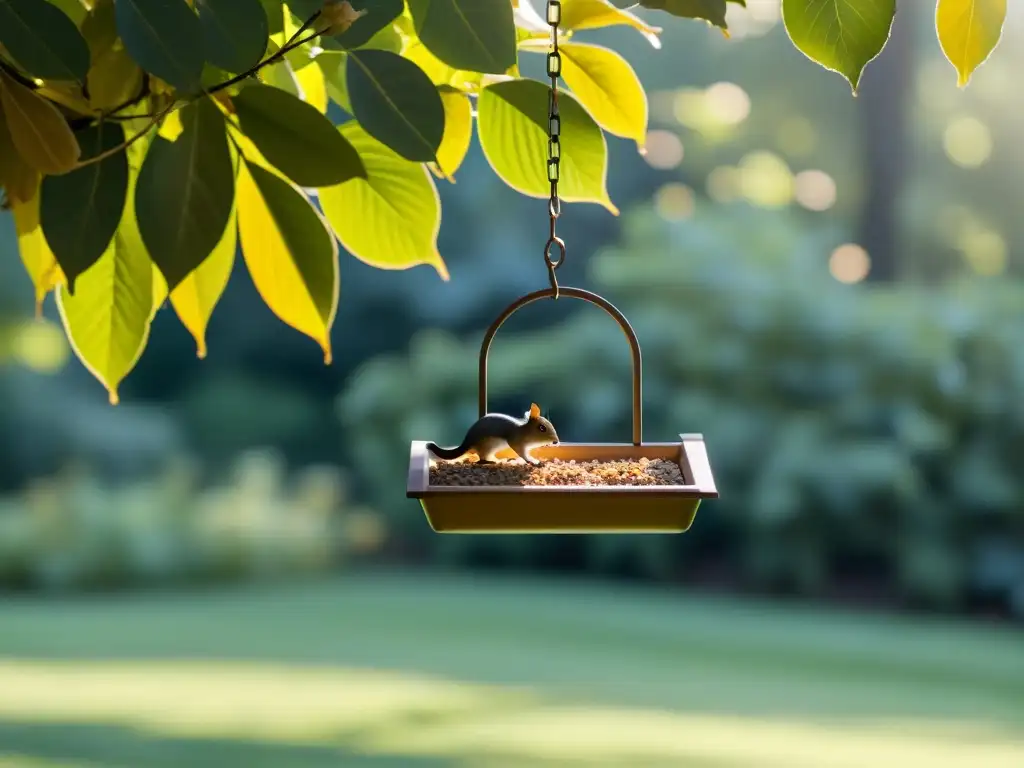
(554,18)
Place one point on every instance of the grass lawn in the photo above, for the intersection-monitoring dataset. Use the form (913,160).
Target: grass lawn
(387,670)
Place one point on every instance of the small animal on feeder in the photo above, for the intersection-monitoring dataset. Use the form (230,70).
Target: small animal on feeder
(496,431)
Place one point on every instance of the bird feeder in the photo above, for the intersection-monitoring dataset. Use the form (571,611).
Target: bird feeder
(571,509)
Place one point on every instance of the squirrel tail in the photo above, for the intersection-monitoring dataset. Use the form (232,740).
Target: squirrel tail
(448,454)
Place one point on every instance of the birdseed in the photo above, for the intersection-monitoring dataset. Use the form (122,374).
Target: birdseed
(557,472)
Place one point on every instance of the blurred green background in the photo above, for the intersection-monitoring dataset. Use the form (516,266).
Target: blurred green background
(224,570)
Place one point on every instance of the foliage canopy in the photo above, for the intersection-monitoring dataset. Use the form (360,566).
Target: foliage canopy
(142,141)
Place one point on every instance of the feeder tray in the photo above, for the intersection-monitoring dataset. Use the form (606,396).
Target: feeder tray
(570,509)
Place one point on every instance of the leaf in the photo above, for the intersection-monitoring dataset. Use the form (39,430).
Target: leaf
(74,9)
(99,28)
(379,14)
(711,11)
(608,88)
(81,210)
(36,255)
(235,33)
(390,219)
(333,67)
(458,130)
(396,103)
(595,14)
(274,10)
(512,122)
(840,35)
(113,79)
(107,320)
(290,254)
(162,36)
(185,191)
(19,179)
(296,138)
(969,30)
(476,35)
(314,89)
(43,40)
(39,132)
(196,296)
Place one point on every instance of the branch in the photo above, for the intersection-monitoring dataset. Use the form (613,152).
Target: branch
(283,51)
(124,145)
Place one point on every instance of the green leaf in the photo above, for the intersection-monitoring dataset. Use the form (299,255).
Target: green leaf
(296,138)
(458,130)
(512,122)
(43,40)
(379,14)
(38,130)
(185,192)
(607,86)
(274,10)
(290,254)
(396,103)
(99,28)
(196,296)
(711,11)
(81,210)
(840,35)
(334,65)
(390,219)
(475,35)
(107,320)
(163,37)
(75,10)
(969,30)
(235,33)
(114,79)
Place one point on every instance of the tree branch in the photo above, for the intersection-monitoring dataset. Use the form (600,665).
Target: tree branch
(124,145)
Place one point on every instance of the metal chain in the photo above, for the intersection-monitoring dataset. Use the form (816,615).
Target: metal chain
(554,17)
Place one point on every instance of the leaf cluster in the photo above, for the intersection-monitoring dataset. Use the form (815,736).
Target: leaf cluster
(145,144)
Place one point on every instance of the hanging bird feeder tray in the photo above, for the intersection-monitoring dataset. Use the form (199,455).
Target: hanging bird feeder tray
(568,508)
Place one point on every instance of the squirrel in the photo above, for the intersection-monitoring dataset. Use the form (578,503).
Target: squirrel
(496,431)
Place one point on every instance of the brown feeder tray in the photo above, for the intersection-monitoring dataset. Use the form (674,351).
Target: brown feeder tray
(570,509)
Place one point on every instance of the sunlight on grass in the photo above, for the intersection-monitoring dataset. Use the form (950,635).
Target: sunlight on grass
(384,712)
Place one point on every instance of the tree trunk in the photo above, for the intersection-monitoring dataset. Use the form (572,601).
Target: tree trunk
(884,98)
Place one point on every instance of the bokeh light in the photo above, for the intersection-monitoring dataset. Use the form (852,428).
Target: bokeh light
(797,136)
(765,179)
(984,250)
(849,263)
(814,190)
(968,142)
(727,103)
(723,184)
(40,346)
(674,201)
(663,150)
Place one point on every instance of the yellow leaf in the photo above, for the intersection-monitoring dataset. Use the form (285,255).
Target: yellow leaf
(314,89)
(196,296)
(39,131)
(969,31)
(113,79)
(290,254)
(390,219)
(18,178)
(594,14)
(458,130)
(35,253)
(607,86)
(108,318)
